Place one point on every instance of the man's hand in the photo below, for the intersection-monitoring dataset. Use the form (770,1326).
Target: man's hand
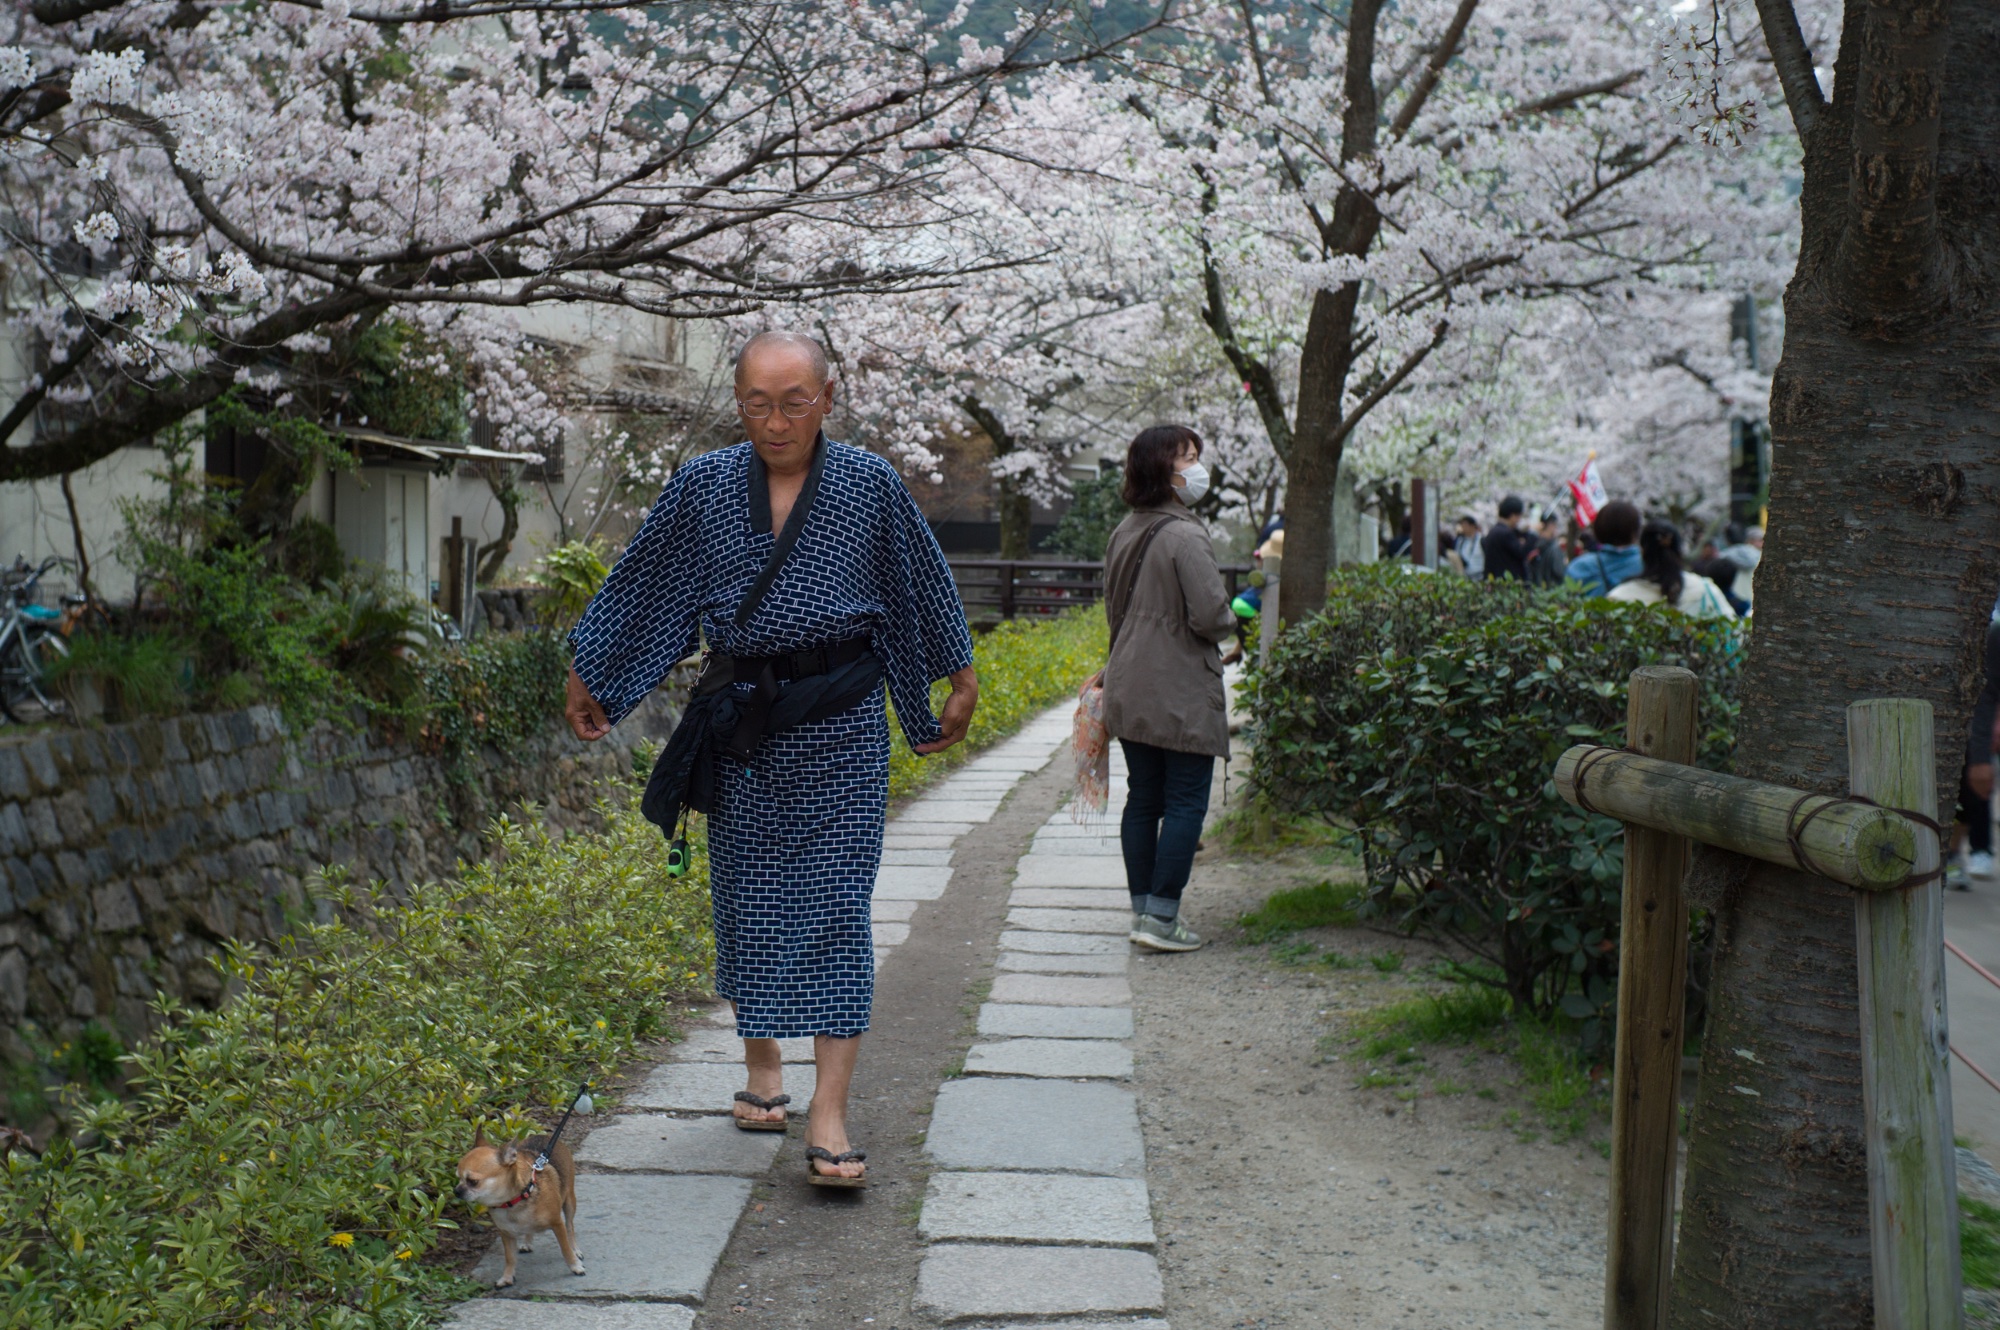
(584,715)
(1980,778)
(957,711)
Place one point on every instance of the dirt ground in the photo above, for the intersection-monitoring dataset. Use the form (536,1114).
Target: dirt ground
(1287,1196)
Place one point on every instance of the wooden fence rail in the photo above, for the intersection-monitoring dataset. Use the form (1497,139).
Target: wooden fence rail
(998,589)
(1861,842)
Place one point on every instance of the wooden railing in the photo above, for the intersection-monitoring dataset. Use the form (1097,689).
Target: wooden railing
(997,589)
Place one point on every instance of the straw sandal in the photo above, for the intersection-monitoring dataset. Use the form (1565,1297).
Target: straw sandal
(759,1101)
(819,1179)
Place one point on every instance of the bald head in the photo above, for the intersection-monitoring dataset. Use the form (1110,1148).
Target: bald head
(787,343)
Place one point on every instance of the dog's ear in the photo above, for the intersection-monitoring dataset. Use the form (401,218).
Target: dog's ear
(510,1154)
(479,1135)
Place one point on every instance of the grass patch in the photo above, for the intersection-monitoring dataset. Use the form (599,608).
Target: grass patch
(1979,1242)
(1252,826)
(1322,905)
(1455,1016)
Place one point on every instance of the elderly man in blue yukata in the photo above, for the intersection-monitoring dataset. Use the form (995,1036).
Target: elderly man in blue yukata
(795,838)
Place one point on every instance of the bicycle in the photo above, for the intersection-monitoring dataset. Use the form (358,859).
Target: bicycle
(32,638)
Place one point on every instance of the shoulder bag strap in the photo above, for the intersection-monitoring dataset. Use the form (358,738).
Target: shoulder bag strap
(782,550)
(1132,582)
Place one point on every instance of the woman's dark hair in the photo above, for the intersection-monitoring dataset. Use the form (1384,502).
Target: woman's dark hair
(1660,559)
(1616,523)
(1149,464)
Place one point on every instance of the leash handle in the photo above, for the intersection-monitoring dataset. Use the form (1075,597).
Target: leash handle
(542,1158)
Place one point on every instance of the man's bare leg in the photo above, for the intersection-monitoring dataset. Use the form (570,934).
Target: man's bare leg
(766,1068)
(827,1127)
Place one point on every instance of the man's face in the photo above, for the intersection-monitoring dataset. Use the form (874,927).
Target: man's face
(1468,528)
(777,378)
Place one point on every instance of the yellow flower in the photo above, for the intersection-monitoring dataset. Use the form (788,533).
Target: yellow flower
(341,1240)
(405,1254)
(600,1025)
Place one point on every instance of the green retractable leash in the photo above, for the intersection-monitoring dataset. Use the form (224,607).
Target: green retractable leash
(679,860)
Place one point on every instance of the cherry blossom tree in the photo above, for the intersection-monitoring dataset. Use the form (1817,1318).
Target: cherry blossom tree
(198,194)
(1371,193)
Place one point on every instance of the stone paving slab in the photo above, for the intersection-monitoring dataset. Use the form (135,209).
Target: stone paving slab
(1058,963)
(948,810)
(900,840)
(928,858)
(1000,1019)
(890,911)
(911,884)
(1072,921)
(1081,848)
(1010,763)
(653,1238)
(975,784)
(1072,898)
(1037,1207)
(1063,870)
(891,935)
(1037,1126)
(1144,1323)
(709,1087)
(1064,1058)
(1065,829)
(723,1045)
(950,831)
(961,1281)
(1071,944)
(651,1143)
(514,1314)
(1062,990)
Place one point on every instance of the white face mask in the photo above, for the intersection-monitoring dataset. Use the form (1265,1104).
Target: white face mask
(1194,478)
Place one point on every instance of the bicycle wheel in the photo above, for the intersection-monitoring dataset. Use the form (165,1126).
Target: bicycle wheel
(37,698)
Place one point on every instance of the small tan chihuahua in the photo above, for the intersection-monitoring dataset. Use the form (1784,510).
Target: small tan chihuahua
(522,1203)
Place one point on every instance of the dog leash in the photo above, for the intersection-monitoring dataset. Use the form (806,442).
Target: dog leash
(542,1158)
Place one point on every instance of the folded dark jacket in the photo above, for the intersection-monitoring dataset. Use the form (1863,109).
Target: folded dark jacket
(684,776)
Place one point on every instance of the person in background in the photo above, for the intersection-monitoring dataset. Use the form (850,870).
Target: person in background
(1509,546)
(1549,562)
(1746,553)
(1470,558)
(1724,574)
(1399,548)
(1665,579)
(1163,697)
(1975,784)
(1616,558)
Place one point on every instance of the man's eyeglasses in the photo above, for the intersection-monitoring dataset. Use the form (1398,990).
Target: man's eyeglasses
(795,408)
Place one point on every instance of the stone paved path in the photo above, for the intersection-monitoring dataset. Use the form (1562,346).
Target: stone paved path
(1038,1206)
(665,1180)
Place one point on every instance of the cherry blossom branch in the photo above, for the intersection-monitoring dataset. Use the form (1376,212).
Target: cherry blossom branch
(1434,69)
(1390,384)
(1792,58)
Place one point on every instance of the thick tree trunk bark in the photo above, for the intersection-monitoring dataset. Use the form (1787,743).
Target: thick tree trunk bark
(1016,521)
(1880,571)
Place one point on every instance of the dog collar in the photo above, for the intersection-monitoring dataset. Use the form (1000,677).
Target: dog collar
(529,1191)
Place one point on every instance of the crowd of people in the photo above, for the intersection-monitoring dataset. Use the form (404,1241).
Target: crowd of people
(1620,555)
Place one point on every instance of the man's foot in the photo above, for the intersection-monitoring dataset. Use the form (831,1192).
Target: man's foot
(1954,874)
(759,1112)
(834,1142)
(1979,864)
(1164,934)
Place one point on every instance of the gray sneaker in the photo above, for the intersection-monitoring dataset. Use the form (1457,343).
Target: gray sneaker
(1164,934)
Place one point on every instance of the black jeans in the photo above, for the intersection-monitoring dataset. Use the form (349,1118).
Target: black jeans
(1165,802)
(1975,812)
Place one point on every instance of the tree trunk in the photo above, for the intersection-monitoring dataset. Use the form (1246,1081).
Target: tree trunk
(1016,520)
(1880,572)
(1317,443)
(493,555)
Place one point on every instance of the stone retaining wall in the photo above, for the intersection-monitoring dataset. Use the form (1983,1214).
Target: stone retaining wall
(130,853)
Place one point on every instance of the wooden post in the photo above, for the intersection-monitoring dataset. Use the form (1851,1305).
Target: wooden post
(1912,1167)
(1006,590)
(1660,721)
(1424,500)
(1267,613)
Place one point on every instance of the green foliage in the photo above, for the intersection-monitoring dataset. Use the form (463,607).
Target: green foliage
(495,691)
(406,383)
(286,1160)
(1457,1015)
(571,574)
(1322,905)
(136,676)
(1025,667)
(311,554)
(1979,1242)
(1095,510)
(1425,713)
(378,638)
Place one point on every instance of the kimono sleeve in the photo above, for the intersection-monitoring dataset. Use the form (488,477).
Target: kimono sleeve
(923,636)
(645,619)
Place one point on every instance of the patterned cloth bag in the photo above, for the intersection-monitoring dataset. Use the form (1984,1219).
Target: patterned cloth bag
(1089,737)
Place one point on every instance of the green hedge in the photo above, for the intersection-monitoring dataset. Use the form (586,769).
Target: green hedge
(499,689)
(287,1160)
(1425,714)
(1025,667)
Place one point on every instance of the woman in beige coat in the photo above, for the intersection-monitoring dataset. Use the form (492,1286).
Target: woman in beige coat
(1163,684)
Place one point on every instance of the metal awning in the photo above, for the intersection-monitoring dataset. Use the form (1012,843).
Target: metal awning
(431,450)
